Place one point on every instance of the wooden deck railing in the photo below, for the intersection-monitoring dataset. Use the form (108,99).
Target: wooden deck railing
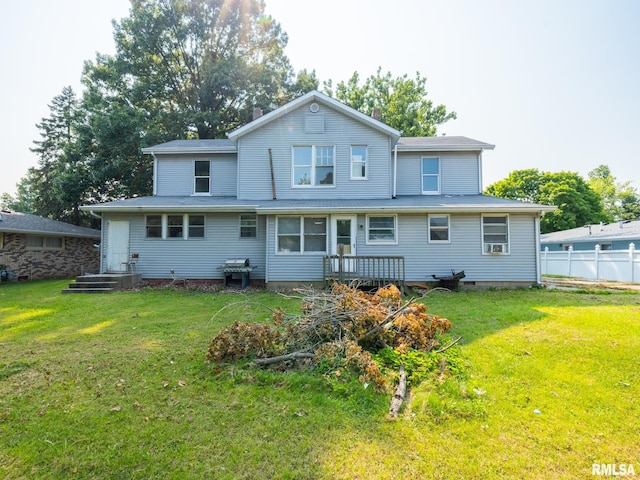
(374,271)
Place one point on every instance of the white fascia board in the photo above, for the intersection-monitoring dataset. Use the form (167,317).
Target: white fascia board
(188,150)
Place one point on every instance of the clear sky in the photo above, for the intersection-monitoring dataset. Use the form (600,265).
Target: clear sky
(555,85)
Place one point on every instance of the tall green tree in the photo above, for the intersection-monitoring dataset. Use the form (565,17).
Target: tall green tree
(621,201)
(198,67)
(57,186)
(577,203)
(402,102)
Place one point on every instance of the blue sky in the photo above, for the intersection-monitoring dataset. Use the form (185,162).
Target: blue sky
(555,85)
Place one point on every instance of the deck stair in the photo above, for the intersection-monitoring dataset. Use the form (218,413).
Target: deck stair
(103,283)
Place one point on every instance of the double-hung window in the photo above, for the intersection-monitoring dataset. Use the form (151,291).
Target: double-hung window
(439,229)
(302,234)
(495,234)
(248,226)
(202,177)
(175,226)
(430,176)
(382,229)
(358,162)
(313,166)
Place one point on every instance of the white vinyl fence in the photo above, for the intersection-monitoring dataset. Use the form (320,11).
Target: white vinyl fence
(596,264)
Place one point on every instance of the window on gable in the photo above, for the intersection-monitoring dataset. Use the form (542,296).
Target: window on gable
(248,226)
(358,162)
(381,229)
(430,176)
(438,228)
(495,234)
(313,166)
(202,176)
(302,234)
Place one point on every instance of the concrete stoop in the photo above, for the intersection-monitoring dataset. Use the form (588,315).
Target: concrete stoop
(103,283)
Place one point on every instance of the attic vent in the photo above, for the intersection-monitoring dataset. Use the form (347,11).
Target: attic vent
(314,108)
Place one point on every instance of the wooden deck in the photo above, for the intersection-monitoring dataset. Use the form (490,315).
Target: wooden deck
(367,271)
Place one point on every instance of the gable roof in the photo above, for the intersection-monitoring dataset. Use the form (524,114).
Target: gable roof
(14,222)
(623,230)
(317,97)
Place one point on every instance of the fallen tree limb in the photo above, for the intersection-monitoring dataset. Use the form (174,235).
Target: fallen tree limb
(449,346)
(398,396)
(283,358)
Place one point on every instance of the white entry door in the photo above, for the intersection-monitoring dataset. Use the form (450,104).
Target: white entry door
(117,245)
(343,232)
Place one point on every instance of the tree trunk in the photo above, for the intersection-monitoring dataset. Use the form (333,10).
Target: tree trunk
(398,396)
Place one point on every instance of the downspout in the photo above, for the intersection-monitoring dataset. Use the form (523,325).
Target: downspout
(273,178)
(480,171)
(536,229)
(155,174)
(395,169)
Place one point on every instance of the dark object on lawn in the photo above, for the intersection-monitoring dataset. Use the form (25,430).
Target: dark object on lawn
(237,266)
(5,274)
(450,281)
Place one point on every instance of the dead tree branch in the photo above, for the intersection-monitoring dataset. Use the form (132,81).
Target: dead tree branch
(398,396)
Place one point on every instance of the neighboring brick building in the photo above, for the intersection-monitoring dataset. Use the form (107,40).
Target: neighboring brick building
(34,247)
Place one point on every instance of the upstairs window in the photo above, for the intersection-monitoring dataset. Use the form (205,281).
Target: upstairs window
(313,166)
(358,162)
(495,234)
(438,228)
(430,176)
(202,177)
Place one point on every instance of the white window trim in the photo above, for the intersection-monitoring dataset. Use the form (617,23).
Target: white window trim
(448,217)
(382,242)
(366,163)
(483,243)
(438,175)
(164,225)
(312,183)
(44,243)
(240,226)
(195,177)
(302,250)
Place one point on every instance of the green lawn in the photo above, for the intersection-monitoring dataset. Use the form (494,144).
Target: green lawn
(116,386)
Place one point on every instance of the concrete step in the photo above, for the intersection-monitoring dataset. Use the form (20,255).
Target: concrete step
(105,283)
(89,290)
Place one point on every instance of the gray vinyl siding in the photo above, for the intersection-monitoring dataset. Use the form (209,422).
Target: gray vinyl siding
(422,259)
(195,258)
(175,174)
(254,178)
(459,173)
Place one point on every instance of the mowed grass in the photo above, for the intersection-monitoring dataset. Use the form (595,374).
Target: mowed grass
(116,386)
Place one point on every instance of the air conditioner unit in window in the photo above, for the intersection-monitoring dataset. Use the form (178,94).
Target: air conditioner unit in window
(497,248)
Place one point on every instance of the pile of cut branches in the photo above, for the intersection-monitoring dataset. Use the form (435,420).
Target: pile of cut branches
(342,326)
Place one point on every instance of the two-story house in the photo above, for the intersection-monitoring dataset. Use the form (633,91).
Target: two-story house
(311,179)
